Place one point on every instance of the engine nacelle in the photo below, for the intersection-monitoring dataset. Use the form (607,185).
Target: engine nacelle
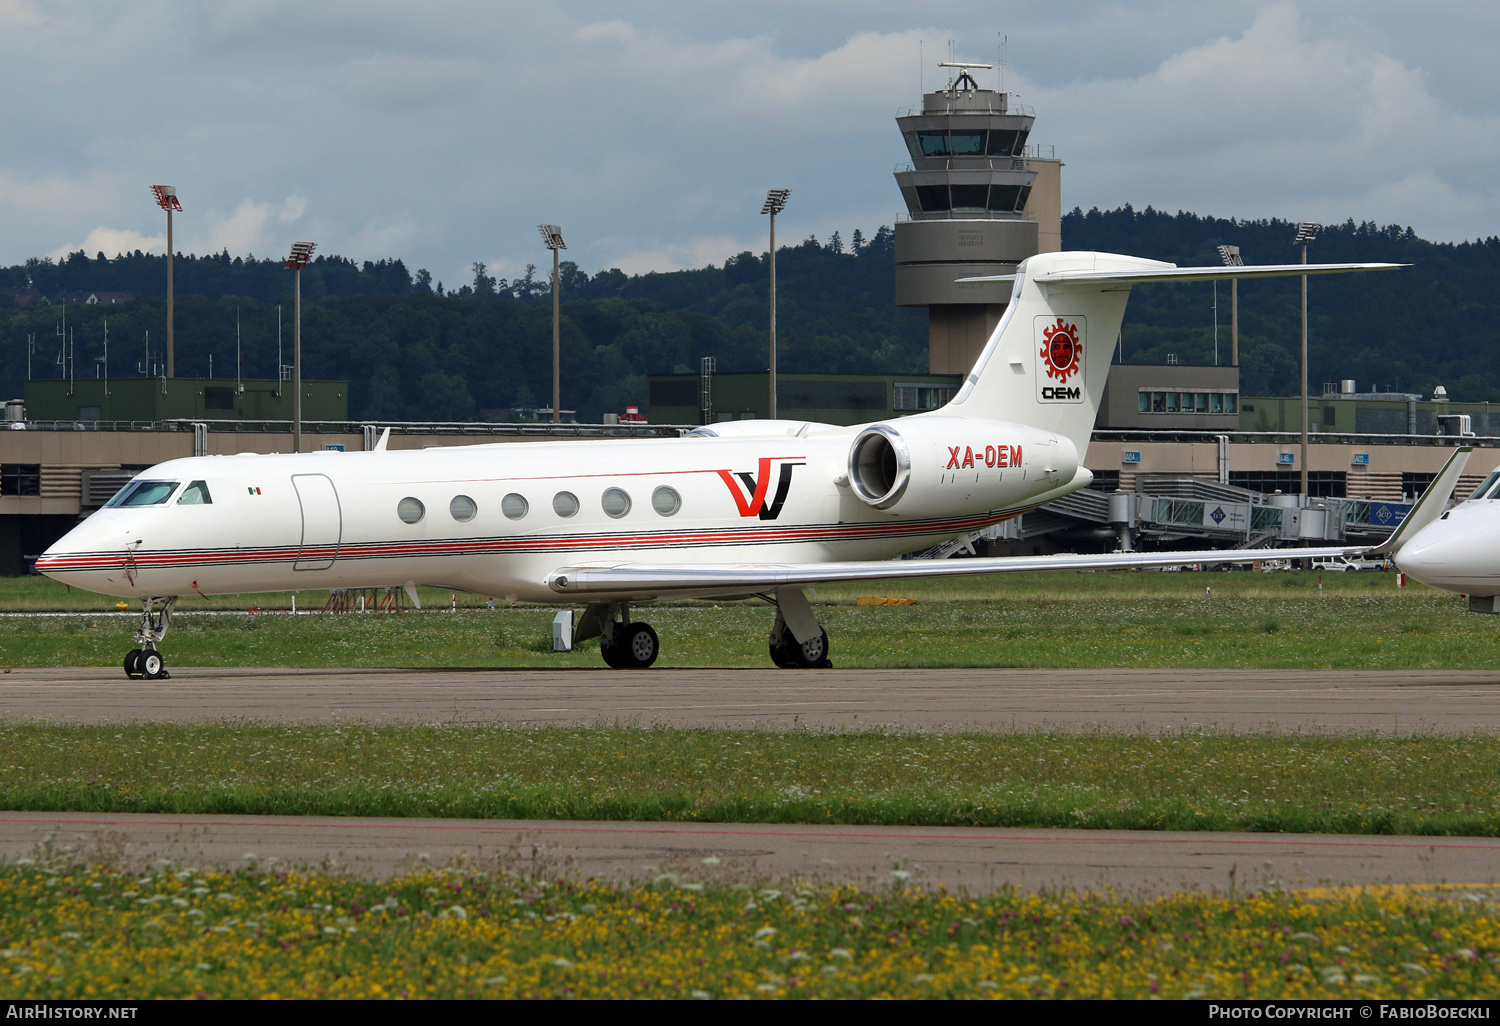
(936,466)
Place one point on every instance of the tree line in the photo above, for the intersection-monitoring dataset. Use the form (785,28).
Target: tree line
(417,349)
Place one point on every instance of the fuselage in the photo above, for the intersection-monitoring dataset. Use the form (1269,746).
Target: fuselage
(498,519)
(1458,552)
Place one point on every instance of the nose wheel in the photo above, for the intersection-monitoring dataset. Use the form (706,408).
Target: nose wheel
(145,662)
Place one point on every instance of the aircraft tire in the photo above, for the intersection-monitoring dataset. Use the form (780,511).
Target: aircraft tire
(613,653)
(133,663)
(813,655)
(152,665)
(641,646)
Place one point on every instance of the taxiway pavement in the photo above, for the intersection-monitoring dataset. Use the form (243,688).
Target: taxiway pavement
(1135,863)
(1139,863)
(931,699)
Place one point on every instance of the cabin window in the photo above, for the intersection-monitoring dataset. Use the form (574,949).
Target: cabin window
(195,494)
(514,506)
(1484,486)
(565,504)
(616,503)
(463,508)
(411,510)
(144,493)
(666,501)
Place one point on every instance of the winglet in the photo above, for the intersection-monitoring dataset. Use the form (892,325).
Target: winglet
(385,437)
(1432,503)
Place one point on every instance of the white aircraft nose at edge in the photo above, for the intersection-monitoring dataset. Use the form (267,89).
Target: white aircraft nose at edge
(743,508)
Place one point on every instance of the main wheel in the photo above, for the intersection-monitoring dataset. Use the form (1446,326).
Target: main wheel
(614,651)
(133,663)
(152,665)
(809,655)
(640,645)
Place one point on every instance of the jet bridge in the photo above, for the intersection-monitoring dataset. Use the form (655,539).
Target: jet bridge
(1203,513)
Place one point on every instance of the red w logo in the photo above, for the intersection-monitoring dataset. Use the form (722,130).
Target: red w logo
(756,488)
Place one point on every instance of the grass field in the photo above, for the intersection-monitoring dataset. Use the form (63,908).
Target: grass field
(1311,783)
(110,931)
(1354,621)
(93,932)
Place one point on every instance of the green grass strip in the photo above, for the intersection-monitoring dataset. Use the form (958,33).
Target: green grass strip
(1352,627)
(77,931)
(1360,784)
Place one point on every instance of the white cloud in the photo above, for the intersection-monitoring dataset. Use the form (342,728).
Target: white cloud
(650,130)
(241,231)
(387,239)
(112,242)
(292,209)
(1277,120)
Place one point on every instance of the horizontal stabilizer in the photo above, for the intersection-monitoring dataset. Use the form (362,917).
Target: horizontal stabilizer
(1145,275)
(731,578)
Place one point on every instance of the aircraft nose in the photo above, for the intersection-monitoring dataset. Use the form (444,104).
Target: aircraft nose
(91,551)
(1447,559)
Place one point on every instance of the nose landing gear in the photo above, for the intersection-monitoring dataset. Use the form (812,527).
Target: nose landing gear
(145,662)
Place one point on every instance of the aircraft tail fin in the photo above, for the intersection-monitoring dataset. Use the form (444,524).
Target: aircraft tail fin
(1432,503)
(1047,361)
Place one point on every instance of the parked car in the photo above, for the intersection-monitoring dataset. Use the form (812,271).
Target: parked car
(1340,564)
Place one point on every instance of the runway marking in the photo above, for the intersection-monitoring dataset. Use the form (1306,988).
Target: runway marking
(483,827)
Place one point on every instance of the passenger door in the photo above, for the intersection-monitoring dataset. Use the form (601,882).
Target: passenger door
(322,521)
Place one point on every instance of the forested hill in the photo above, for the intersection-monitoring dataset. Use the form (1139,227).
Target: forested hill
(1436,322)
(413,348)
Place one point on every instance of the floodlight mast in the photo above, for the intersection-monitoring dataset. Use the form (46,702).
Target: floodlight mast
(298,259)
(775,204)
(1306,232)
(1231,257)
(166,198)
(552,237)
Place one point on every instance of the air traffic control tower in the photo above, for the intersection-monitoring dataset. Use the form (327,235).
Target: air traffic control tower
(980,201)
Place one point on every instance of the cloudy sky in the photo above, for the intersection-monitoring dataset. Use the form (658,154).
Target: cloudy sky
(443,132)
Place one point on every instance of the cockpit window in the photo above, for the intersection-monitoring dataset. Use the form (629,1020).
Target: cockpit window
(195,494)
(1486,489)
(144,493)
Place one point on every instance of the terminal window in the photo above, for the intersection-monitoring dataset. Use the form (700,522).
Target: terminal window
(1105,480)
(1323,484)
(1150,401)
(20,479)
(1412,484)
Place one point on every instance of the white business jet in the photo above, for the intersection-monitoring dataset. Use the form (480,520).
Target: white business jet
(749,508)
(1456,549)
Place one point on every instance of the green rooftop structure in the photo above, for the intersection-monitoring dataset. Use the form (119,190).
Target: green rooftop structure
(153,399)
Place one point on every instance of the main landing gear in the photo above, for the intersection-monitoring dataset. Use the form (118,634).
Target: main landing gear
(145,662)
(798,641)
(624,645)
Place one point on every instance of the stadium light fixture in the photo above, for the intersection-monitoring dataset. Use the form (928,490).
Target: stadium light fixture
(166,198)
(1306,232)
(775,204)
(299,258)
(552,238)
(1231,257)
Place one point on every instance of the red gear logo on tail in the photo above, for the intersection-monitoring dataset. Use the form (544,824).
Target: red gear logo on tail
(1061,350)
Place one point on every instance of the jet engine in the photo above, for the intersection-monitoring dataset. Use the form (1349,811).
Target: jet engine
(936,466)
